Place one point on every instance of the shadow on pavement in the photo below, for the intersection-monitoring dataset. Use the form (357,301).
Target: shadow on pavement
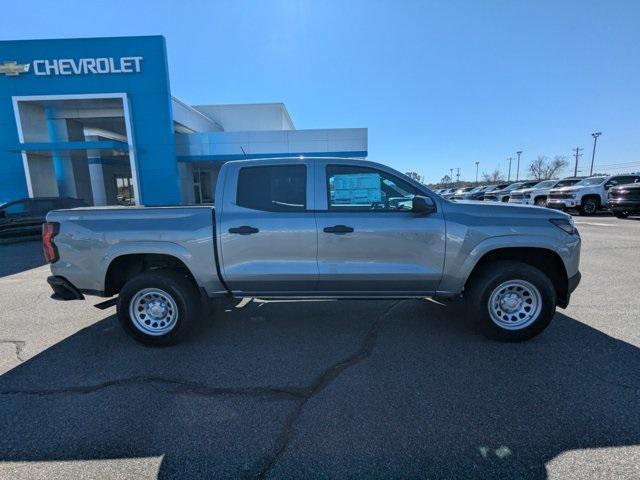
(328,389)
(20,256)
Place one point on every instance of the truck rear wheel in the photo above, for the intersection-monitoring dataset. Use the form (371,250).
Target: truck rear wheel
(511,301)
(158,307)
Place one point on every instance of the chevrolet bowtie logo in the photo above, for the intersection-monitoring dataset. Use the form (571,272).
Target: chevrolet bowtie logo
(13,69)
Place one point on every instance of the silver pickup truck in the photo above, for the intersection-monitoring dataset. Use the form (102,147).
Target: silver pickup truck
(316,228)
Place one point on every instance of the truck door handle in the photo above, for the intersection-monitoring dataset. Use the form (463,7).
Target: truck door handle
(338,229)
(244,230)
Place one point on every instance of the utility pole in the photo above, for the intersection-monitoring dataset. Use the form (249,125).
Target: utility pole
(458,175)
(577,155)
(595,136)
(451,175)
(518,169)
(477,163)
(509,175)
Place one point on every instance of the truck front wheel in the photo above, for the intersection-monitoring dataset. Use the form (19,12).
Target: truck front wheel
(589,206)
(511,301)
(158,307)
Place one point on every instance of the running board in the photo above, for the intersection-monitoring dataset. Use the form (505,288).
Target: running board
(107,303)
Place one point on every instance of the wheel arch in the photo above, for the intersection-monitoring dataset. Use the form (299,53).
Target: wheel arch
(123,267)
(544,259)
(593,196)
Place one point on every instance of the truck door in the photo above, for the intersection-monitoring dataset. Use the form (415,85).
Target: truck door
(267,229)
(369,240)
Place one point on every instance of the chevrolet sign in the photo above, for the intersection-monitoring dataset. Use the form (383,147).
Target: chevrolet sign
(79,66)
(12,68)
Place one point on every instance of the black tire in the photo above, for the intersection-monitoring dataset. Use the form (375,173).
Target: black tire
(179,287)
(620,214)
(540,202)
(589,206)
(483,284)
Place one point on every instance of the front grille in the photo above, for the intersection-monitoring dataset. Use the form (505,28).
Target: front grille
(490,197)
(560,196)
(517,196)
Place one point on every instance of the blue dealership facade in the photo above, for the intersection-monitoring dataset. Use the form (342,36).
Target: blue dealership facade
(95,119)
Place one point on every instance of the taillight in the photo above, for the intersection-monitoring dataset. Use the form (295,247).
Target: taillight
(50,230)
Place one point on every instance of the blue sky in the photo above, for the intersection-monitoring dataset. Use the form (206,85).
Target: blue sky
(439,84)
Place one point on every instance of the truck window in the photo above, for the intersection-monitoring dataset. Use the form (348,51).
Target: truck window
(356,189)
(274,188)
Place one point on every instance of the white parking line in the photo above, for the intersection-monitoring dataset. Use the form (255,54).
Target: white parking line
(596,224)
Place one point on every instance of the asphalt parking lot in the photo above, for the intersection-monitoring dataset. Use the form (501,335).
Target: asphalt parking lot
(325,389)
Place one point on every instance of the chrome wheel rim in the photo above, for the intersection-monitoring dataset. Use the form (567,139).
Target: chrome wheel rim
(153,311)
(515,304)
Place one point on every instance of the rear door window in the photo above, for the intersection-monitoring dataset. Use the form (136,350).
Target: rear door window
(273,188)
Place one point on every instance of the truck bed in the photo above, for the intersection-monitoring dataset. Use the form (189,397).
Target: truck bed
(91,238)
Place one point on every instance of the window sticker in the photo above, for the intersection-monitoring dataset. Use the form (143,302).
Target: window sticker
(357,188)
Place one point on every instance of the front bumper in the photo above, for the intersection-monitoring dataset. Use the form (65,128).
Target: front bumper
(572,284)
(63,289)
(562,204)
(623,206)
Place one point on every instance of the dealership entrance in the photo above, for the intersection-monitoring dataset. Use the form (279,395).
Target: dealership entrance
(78,147)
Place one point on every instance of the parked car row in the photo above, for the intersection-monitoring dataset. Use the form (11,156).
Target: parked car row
(618,193)
(595,193)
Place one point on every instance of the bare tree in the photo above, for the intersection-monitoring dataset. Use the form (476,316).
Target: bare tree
(493,177)
(542,168)
(445,180)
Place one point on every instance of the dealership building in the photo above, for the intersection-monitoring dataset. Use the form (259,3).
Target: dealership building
(95,119)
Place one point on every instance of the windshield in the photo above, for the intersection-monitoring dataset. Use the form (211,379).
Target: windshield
(513,186)
(592,181)
(545,184)
(477,189)
(566,183)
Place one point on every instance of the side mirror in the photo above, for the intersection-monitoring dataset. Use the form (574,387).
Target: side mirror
(423,205)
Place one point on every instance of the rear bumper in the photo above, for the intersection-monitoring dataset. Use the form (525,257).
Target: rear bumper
(63,289)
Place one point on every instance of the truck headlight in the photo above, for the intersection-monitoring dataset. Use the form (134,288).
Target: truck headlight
(572,196)
(565,224)
(527,195)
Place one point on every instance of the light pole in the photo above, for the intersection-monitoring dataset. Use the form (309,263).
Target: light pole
(509,175)
(518,168)
(477,163)
(595,136)
(451,176)
(578,155)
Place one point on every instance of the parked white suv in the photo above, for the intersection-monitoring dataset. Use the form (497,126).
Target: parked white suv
(504,194)
(537,195)
(588,195)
